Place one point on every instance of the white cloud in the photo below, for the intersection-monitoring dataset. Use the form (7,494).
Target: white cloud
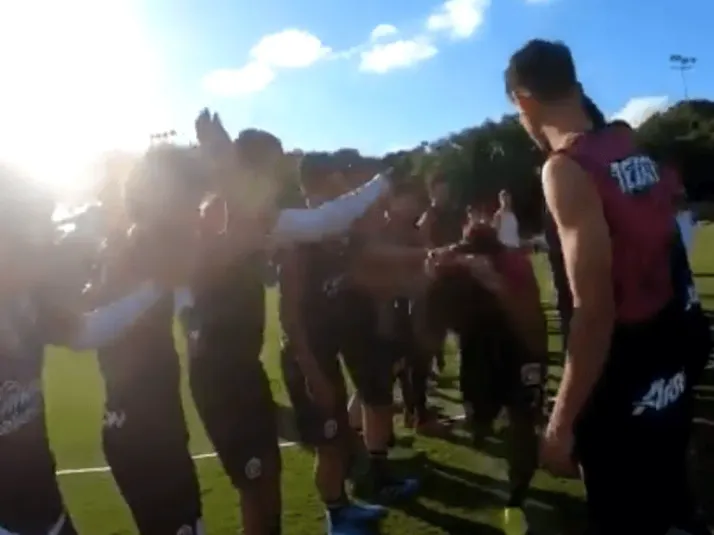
(293,49)
(382,30)
(399,54)
(459,18)
(252,78)
(289,49)
(638,110)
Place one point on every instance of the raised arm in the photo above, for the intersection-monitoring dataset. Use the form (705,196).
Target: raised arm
(330,219)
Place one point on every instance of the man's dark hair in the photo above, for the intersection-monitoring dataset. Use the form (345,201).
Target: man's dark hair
(165,175)
(543,68)
(315,170)
(254,145)
(596,116)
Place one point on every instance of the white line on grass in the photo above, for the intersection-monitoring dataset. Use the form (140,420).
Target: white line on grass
(495,492)
(197,457)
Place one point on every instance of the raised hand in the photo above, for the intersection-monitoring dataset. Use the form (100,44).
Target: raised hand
(214,139)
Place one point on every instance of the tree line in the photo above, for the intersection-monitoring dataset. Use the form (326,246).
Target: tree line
(480,161)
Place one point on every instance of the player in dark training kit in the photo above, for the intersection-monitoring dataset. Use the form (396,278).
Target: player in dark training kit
(144,433)
(504,346)
(310,312)
(637,338)
(34,315)
(226,322)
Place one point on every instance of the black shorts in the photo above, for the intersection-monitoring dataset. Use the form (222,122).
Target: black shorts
(633,436)
(145,440)
(233,398)
(30,498)
(316,426)
(498,371)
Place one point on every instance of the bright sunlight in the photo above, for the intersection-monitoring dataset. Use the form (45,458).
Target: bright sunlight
(79,77)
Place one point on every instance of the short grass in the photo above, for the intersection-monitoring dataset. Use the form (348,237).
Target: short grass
(462,488)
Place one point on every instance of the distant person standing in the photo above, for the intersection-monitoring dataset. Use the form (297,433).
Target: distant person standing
(505,222)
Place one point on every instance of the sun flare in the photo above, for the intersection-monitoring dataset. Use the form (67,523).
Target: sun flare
(79,77)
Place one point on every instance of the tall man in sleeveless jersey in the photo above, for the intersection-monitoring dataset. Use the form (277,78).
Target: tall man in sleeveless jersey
(637,336)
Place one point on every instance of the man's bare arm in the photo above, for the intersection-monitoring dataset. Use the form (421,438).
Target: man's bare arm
(576,207)
(292,278)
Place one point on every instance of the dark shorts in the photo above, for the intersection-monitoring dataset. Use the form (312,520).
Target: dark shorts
(30,498)
(146,446)
(316,426)
(235,403)
(499,372)
(633,437)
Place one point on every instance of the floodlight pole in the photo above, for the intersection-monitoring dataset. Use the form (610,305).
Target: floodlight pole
(683,64)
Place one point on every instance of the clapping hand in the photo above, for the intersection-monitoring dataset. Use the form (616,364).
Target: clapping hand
(214,139)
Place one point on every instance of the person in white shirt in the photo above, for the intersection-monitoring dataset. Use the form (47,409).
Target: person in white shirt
(505,222)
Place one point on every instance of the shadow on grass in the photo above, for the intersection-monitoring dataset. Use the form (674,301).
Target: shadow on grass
(457,493)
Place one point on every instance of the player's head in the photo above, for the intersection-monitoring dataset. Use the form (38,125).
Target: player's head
(481,238)
(165,188)
(408,199)
(456,300)
(320,181)
(263,166)
(541,81)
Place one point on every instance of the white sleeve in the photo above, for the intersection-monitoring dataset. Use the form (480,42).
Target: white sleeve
(330,219)
(103,325)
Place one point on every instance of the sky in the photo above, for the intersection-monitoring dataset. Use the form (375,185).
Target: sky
(83,76)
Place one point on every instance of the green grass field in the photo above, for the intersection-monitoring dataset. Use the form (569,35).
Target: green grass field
(462,488)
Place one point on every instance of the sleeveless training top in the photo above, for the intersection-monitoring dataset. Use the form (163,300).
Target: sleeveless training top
(637,205)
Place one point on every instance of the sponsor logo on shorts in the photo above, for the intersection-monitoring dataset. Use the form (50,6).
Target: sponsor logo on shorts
(662,393)
(253,468)
(531,374)
(114,419)
(19,404)
(692,297)
(330,428)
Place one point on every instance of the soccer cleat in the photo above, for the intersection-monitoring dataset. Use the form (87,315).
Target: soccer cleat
(363,512)
(345,528)
(353,519)
(514,521)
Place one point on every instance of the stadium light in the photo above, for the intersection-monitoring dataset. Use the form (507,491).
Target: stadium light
(683,64)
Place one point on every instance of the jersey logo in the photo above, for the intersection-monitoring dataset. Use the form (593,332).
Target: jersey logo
(662,393)
(330,428)
(531,374)
(636,174)
(692,297)
(19,404)
(253,468)
(114,419)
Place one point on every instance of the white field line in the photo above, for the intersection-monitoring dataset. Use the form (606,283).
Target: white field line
(498,493)
(197,457)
